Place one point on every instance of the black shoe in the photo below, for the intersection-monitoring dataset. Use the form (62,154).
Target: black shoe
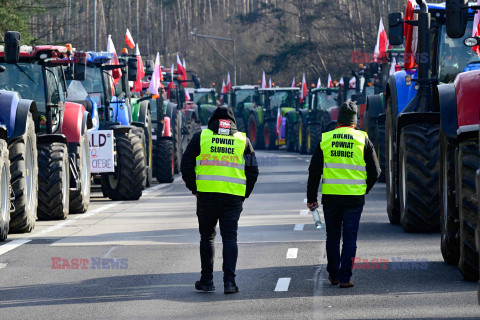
(205,287)
(230,287)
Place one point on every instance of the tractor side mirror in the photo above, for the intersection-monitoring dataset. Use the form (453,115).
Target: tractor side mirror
(395,30)
(132,69)
(12,46)
(457,16)
(80,67)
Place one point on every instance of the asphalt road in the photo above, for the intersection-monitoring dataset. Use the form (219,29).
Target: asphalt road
(141,260)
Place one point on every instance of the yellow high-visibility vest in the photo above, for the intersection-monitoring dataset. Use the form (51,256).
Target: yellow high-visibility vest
(344,169)
(220,166)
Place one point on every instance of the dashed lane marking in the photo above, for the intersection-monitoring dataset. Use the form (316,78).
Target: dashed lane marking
(305,200)
(292,253)
(304,212)
(299,227)
(12,245)
(282,284)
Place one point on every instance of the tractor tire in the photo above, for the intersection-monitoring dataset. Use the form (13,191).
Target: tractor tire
(468,162)
(255,133)
(419,178)
(380,148)
(302,136)
(53,181)
(141,135)
(128,182)
(393,203)
(24,179)
(290,132)
(240,124)
(80,199)
(4,190)
(449,227)
(177,140)
(314,135)
(163,160)
(270,136)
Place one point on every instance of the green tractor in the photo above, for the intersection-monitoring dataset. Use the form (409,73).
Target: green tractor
(206,101)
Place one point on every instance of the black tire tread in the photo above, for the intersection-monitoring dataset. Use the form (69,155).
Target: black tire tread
(162,158)
(315,132)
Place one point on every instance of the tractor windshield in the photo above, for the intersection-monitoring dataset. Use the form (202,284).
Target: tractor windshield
(454,55)
(204,98)
(283,99)
(244,96)
(26,79)
(325,101)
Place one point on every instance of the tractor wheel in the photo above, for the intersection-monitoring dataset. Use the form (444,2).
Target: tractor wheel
(255,134)
(4,190)
(240,123)
(270,136)
(468,160)
(393,204)
(449,227)
(314,134)
(380,148)
(141,135)
(79,199)
(419,178)
(149,147)
(290,132)
(177,140)
(24,179)
(128,181)
(163,159)
(53,181)
(302,136)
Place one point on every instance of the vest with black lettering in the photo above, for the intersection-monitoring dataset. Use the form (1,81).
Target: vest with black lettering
(220,166)
(344,171)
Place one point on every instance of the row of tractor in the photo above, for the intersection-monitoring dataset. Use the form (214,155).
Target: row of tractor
(70,119)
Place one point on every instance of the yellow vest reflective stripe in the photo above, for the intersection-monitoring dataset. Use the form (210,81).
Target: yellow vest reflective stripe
(344,171)
(220,167)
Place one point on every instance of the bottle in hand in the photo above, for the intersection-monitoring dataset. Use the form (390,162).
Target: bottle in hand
(316,218)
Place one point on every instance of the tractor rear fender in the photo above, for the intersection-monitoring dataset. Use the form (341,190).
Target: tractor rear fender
(191,114)
(445,100)
(467,97)
(76,120)
(408,118)
(381,118)
(375,105)
(399,91)
(139,110)
(23,108)
(171,110)
(14,112)
(121,111)
(468,132)
(50,138)
(121,128)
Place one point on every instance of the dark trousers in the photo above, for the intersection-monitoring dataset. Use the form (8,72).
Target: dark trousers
(213,207)
(339,265)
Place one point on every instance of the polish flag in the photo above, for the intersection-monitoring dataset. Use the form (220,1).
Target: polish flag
(171,85)
(329,82)
(293,82)
(393,67)
(352,84)
(224,88)
(264,82)
(137,87)
(319,83)
(304,90)
(341,83)
(228,88)
(279,123)
(476,29)
(155,82)
(382,42)
(411,37)
(129,40)
(117,73)
(181,71)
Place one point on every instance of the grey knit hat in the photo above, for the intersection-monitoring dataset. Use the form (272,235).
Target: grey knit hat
(347,114)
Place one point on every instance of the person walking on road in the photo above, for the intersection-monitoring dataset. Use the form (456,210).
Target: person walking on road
(220,168)
(346,162)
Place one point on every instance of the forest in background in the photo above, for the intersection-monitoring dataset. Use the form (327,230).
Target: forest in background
(286,38)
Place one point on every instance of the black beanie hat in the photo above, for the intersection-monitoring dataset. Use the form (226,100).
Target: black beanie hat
(347,114)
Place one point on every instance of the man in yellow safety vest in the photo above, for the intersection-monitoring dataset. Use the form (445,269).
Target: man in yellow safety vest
(346,162)
(220,168)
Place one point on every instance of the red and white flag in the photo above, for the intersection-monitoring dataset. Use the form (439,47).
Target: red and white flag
(304,90)
(392,67)
(264,82)
(352,84)
(129,40)
(382,42)
(476,29)
(117,73)
(411,37)
(224,88)
(181,71)
(279,123)
(155,82)
(319,83)
(329,82)
(171,85)
(137,87)
(293,82)
(341,83)
(228,88)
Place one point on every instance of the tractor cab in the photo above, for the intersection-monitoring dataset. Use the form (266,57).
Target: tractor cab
(206,100)
(243,100)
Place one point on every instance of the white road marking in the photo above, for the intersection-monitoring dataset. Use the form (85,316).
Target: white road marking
(2,265)
(304,212)
(305,200)
(282,284)
(12,245)
(307,161)
(299,227)
(107,255)
(292,253)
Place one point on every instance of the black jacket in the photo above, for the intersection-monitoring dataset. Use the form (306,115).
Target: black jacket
(193,151)
(316,170)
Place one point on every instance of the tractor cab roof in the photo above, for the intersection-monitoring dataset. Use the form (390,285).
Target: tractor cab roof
(99,57)
(205,90)
(244,87)
(279,89)
(323,89)
(37,52)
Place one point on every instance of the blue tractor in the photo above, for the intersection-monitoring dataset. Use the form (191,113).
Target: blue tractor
(413,119)
(117,149)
